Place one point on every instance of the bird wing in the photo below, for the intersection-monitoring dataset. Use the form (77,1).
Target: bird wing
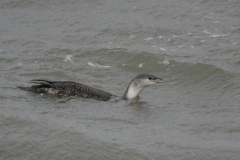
(73,88)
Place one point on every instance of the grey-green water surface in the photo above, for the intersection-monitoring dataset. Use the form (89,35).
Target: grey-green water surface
(105,44)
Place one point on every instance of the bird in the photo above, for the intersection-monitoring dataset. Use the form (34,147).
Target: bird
(70,88)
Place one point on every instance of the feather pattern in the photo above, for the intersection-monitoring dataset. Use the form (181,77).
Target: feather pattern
(67,88)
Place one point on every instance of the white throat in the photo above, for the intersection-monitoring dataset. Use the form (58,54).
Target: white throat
(133,91)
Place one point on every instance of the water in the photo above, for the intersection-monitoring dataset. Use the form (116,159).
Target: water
(105,44)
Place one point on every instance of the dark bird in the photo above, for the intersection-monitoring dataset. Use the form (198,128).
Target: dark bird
(70,88)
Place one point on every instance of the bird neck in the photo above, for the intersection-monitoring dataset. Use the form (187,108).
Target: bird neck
(132,91)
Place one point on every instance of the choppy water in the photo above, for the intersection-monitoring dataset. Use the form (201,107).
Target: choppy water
(105,44)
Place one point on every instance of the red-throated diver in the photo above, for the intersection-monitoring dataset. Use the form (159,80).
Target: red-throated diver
(70,88)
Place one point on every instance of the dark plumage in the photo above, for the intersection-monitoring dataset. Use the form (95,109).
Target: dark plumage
(67,88)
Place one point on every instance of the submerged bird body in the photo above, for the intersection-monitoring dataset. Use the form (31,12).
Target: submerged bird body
(70,88)
(67,88)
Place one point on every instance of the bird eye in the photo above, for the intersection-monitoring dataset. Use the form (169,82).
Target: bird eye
(150,78)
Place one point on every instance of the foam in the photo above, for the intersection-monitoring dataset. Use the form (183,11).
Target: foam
(68,58)
(163,49)
(205,31)
(218,35)
(97,65)
(166,62)
(150,38)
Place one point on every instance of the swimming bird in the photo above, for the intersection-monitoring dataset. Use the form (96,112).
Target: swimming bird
(70,88)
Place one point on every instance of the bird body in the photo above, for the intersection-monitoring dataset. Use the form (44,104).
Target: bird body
(70,88)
